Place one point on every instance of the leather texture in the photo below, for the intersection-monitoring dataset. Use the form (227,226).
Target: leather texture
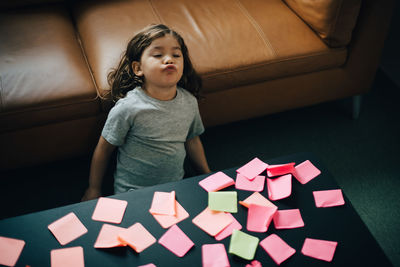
(277,42)
(333,20)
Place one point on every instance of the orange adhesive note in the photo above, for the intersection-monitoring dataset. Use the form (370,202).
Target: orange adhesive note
(109,210)
(10,250)
(227,231)
(258,199)
(67,257)
(212,222)
(163,203)
(108,236)
(167,221)
(137,237)
(67,228)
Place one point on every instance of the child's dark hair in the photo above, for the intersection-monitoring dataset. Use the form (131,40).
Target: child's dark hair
(122,79)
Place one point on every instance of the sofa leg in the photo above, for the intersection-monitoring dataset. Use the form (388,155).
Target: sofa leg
(356,106)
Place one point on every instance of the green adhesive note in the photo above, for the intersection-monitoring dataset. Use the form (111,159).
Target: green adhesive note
(223,201)
(243,245)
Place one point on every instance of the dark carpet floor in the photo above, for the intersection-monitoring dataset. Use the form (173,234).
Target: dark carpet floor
(363,156)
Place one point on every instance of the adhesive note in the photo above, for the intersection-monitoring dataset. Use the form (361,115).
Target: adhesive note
(288,219)
(277,249)
(67,257)
(176,241)
(254,263)
(163,203)
(319,249)
(281,169)
(223,201)
(108,236)
(214,255)
(328,198)
(256,185)
(227,231)
(305,172)
(109,210)
(216,182)
(252,168)
(212,222)
(167,221)
(148,265)
(259,218)
(137,237)
(67,228)
(280,187)
(10,249)
(243,245)
(257,199)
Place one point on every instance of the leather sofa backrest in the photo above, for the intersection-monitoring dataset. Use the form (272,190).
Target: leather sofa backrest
(332,20)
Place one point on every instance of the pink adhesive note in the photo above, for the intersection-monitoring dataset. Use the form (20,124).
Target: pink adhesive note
(281,169)
(163,203)
(319,249)
(67,228)
(227,231)
(257,184)
(137,237)
(305,172)
(10,249)
(258,199)
(288,219)
(214,255)
(216,182)
(167,221)
(279,188)
(259,218)
(212,222)
(148,265)
(252,168)
(277,249)
(328,198)
(254,263)
(109,210)
(108,236)
(67,257)
(176,241)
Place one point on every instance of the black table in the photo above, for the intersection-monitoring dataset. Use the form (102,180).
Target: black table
(356,245)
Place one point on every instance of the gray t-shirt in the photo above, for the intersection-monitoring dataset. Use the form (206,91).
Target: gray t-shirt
(150,135)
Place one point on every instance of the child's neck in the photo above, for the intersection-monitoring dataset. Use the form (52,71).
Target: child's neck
(163,94)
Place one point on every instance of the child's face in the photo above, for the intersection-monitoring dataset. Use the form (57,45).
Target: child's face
(161,64)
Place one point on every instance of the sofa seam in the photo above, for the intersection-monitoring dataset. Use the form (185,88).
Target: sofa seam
(256,26)
(265,64)
(333,25)
(155,12)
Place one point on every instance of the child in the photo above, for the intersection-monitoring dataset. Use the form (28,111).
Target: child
(155,120)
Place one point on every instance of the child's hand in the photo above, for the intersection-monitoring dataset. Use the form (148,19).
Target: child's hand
(91,194)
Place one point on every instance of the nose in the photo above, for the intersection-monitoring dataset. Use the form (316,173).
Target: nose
(168,59)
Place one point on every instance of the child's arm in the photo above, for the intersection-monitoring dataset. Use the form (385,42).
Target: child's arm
(195,151)
(101,157)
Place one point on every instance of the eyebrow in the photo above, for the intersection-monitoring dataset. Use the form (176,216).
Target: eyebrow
(162,47)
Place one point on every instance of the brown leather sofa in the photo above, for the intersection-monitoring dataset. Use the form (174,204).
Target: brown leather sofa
(255,56)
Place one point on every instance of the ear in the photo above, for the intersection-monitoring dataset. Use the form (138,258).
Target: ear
(137,68)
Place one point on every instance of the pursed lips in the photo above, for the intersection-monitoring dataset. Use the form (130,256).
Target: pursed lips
(170,68)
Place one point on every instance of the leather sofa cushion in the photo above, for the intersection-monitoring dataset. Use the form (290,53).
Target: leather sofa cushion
(333,20)
(43,74)
(232,43)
